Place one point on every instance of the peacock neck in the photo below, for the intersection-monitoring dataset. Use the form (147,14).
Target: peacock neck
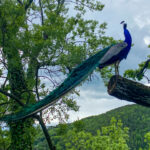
(128,38)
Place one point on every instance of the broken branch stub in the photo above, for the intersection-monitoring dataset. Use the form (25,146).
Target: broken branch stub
(125,89)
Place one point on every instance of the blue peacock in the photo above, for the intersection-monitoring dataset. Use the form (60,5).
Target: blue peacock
(117,52)
(110,55)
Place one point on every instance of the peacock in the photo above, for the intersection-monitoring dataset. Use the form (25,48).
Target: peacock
(112,54)
(117,52)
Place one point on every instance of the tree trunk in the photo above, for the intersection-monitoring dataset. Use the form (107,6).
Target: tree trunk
(21,135)
(21,131)
(125,89)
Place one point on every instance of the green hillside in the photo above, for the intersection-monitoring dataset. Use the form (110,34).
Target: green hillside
(135,117)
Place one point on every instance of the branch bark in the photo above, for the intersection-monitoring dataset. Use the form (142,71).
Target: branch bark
(41,11)
(125,89)
(59,6)
(36,84)
(45,131)
(12,96)
(28,4)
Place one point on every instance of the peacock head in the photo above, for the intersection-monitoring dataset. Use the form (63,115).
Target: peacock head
(124,24)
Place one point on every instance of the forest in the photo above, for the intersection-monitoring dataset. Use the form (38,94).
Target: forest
(48,50)
(135,136)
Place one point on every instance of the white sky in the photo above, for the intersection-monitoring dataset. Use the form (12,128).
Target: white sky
(94,99)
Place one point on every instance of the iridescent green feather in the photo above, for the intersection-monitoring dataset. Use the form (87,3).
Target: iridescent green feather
(79,74)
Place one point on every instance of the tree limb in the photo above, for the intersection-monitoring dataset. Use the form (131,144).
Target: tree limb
(12,96)
(39,118)
(20,2)
(144,67)
(59,6)
(28,4)
(41,10)
(129,90)
(4,84)
(47,63)
(36,84)
(45,131)
(1,104)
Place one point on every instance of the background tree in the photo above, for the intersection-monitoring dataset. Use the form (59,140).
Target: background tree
(138,124)
(4,139)
(147,139)
(114,136)
(40,44)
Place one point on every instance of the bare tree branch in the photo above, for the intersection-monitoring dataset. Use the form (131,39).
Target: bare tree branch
(42,16)
(59,6)
(45,36)
(47,63)
(45,131)
(36,84)
(45,77)
(20,2)
(1,104)
(28,4)
(3,86)
(12,96)
(144,67)
(148,80)
(80,3)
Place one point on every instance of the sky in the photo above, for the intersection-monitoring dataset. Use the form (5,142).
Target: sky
(94,98)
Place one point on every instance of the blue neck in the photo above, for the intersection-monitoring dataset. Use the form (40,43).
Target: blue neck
(128,38)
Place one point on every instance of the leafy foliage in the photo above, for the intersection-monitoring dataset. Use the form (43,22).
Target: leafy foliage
(40,44)
(135,117)
(53,46)
(141,72)
(113,136)
(147,139)
(4,139)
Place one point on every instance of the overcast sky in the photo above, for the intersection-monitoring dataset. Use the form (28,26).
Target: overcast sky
(94,99)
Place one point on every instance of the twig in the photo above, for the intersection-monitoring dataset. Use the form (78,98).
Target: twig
(144,67)
(81,3)
(148,80)
(20,2)
(3,86)
(45,77)
(1,104)
(36,83)
(47,63)
(59,6)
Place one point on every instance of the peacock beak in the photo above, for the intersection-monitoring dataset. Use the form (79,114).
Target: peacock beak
(122,22)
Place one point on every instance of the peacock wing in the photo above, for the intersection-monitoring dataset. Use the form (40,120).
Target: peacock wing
(113,51)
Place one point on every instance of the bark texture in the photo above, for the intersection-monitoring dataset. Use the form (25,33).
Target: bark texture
(20,132)
(129,90)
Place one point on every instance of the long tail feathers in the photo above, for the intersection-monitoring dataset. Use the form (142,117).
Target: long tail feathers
(79,74)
